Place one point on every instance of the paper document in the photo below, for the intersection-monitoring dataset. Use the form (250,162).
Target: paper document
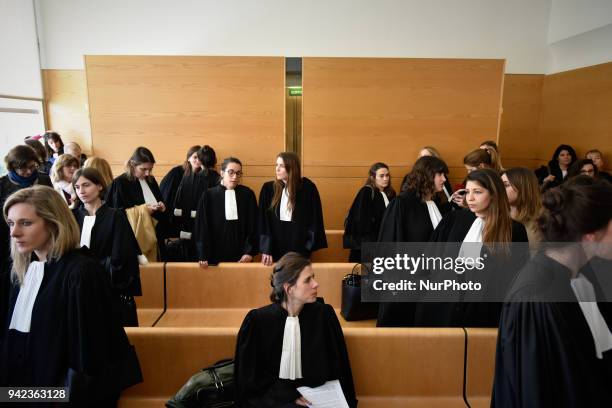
(328,395)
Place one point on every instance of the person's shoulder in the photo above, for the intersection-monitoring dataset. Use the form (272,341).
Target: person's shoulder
(243,189)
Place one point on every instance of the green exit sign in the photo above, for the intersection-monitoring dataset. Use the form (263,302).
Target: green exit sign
(295,91)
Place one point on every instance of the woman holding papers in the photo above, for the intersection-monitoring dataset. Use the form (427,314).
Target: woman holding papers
(109,237)
(295,341)
(554,343)
(486,228)
(226,220)
(291,217)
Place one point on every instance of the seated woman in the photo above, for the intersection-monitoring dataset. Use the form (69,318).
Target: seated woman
(554,343)
(488,229)
(490,144)
(61,176)
(54,146)
(296,341)
(597,157)
(107,233)
(291,217)
(103,168)
(365,215)
(60,329)
(584,167)
(226,219)
(525,202)
(137,189)
(558,166)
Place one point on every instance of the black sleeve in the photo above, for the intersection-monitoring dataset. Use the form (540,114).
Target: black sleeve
(316,229)
(251,242)
(114,198)
(201,230)
(359,220)
(391,227)
(124,269)
(169,185)
(265,229)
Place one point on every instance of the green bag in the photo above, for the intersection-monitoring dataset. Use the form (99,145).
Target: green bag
(213,387)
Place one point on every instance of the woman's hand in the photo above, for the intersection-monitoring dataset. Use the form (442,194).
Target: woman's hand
(303,402)
(458,197)
(204,264)
(161,206)
(151,208)
(549,178)
(266,259)
(246,258)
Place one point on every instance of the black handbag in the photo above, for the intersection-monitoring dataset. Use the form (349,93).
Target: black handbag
(212,387)
(352,307)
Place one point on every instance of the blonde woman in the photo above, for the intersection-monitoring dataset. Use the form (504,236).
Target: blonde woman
(71,336)
(525,200)
(102,166)
(61,176)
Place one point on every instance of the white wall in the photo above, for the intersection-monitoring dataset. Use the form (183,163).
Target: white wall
(591,48)
(513,29)
(19,62)
(569,18)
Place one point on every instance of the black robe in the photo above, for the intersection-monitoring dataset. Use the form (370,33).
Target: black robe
(113,243)
(545,350)
(305,232)
(259,349)
(188,196)
(170,184)
(75,339)
(406,220)
(453,228)
(363,221)
(125,193)
(7,187)
(220,240)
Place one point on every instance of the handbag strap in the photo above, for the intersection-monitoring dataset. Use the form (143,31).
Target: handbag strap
(358,267)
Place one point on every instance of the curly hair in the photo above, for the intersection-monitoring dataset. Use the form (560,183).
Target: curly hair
(421,178)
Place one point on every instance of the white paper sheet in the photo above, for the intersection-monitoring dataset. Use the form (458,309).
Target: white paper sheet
(328,395)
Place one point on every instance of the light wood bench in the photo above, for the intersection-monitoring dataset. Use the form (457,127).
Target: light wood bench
(334,251)
(391,367)
(150,305)
(480,366)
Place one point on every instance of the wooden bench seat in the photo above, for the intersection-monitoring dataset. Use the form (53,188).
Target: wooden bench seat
(480,366)
(150,305)
(334,251)
(391,367)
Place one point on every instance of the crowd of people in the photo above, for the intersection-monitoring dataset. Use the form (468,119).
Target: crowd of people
(73,236)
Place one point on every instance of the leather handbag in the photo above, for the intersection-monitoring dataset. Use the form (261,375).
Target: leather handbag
(212,387)
(352,307)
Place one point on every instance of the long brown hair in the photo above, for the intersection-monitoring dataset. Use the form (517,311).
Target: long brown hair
(371,181)
(421,178)
(141,155)
(187,170)
(528,201)
(294,179)
(498,223)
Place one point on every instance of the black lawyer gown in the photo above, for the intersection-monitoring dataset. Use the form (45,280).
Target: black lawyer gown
(220,240)
(259,349)
(453,228)
(545,351)
(363,222)
(114,245)
(406,220)
(305,232)
(168,187)
(75,338)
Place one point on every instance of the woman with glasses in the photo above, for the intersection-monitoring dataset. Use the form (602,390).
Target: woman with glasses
(291,217)
(22,164)
(226,221)
(584,167)
(61,176)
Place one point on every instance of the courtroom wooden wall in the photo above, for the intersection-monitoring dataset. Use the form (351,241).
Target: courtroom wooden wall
(357,111)
(66,104)
(168,103)
(577,110)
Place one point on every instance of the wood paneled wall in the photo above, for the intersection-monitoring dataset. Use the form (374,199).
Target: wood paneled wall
(169,103)
(66,104)
(357,111)
(577,110)
(520,120)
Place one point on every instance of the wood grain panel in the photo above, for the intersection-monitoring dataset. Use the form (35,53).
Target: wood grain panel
(235,104)
(577,110)
(66,105)
(520,120)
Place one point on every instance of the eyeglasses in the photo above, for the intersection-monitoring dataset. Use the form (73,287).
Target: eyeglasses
(587,171)
(233,173)
(32,168)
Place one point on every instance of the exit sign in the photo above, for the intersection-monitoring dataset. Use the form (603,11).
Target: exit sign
(295,91)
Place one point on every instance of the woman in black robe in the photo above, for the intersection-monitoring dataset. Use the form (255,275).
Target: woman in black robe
(110,239)
(226,219)
(548,354)
(270,337)
(136,187)
(487,227)
(60,329)
(22,163)
(365,215)
(412,217)
(290,213)
(182,248)
(558,167)
(171,181)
